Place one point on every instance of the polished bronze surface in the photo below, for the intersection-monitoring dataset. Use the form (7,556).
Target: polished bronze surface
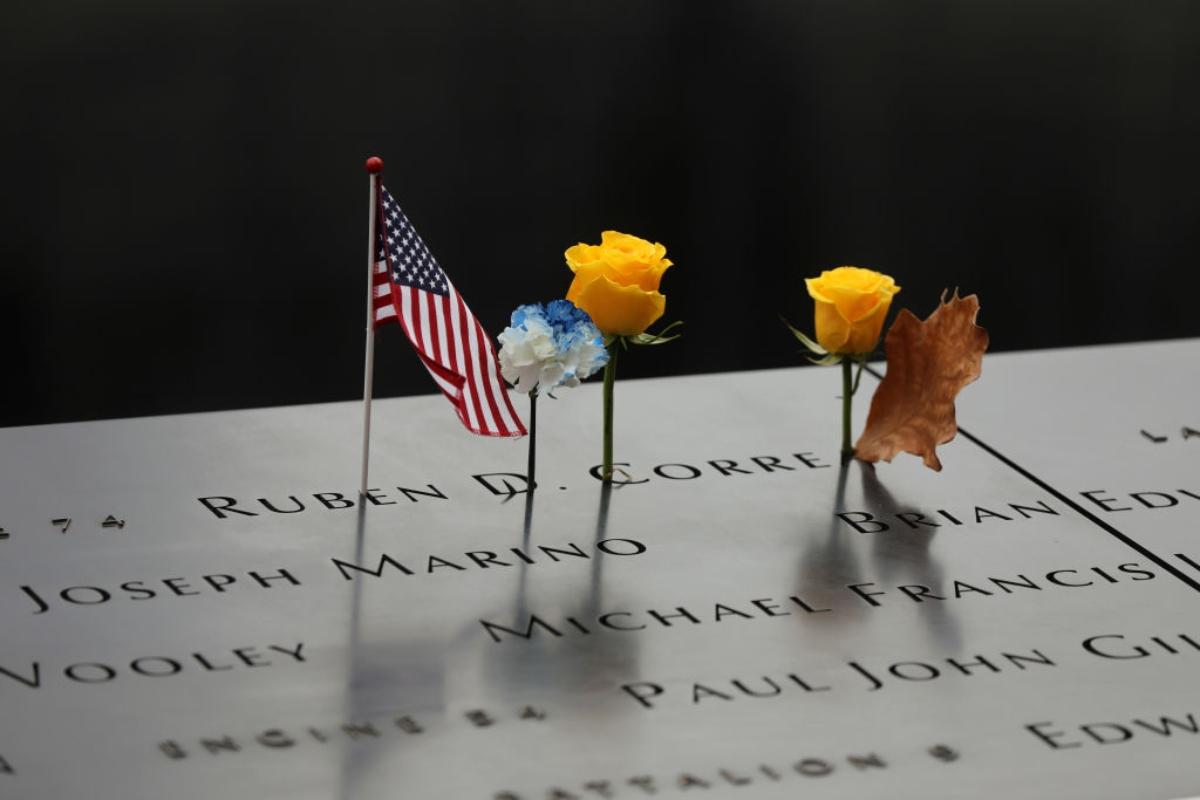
(743,618)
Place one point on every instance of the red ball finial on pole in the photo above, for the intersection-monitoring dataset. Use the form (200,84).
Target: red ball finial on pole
(374,165)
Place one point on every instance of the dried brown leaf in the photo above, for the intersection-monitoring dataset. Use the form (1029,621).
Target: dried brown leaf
(928,364)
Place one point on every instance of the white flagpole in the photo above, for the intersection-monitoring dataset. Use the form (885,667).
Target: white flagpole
(374,167)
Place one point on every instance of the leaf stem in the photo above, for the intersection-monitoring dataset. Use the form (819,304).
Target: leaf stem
(862,362)
(610,378)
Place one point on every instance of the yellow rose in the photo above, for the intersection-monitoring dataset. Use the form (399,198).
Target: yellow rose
(851,303)
(616,282)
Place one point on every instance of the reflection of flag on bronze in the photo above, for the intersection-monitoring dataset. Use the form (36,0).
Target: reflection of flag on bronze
(412,289)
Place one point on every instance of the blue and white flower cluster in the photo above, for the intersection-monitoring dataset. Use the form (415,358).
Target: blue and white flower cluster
(550,345)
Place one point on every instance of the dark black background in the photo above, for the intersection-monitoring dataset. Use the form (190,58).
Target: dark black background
(184,200)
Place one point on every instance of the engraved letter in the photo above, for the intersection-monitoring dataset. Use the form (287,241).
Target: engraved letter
(107,673)
(814,767)
(275,738)
(37,601)
(1141,498)
(534,621)
(1090,646)
(294,652)
(218,582)
(608,546)
(863,520)
(333,500)
(172,749)
(265,580)
(509,489)
(227,505)
(1106,503)
(433,492)
(34,681)
(299,506)
(1168,723)
(1049,736)
(384,561)
(1121,733)
(692,472)
(215,746)
(643,692)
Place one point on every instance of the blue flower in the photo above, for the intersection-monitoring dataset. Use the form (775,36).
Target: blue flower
(551,345)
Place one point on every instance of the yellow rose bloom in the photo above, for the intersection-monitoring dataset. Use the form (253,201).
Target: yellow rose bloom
(616,282)
(851,303)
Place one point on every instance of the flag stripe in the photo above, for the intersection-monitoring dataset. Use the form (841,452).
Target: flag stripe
(511,419)
(477,381)
(382,301)
(447,380)
(410,287)
(438,326)
(431,344)
(405,311)
(460,361)
(448,389)
(495,394)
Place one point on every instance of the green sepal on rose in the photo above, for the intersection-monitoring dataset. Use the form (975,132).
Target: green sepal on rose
(819,355)
(649,339)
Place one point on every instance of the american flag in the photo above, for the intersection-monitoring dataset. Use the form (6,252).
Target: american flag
(412,289)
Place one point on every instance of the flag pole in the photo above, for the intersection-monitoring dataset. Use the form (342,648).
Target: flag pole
(374,169)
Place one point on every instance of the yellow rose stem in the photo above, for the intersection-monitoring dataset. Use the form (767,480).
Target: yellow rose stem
(847,399)
(849,389)
(610,377)
(532,437)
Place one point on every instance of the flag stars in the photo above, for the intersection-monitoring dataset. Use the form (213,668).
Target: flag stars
(412,263)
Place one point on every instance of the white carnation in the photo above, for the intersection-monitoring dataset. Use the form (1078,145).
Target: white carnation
(550,346)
